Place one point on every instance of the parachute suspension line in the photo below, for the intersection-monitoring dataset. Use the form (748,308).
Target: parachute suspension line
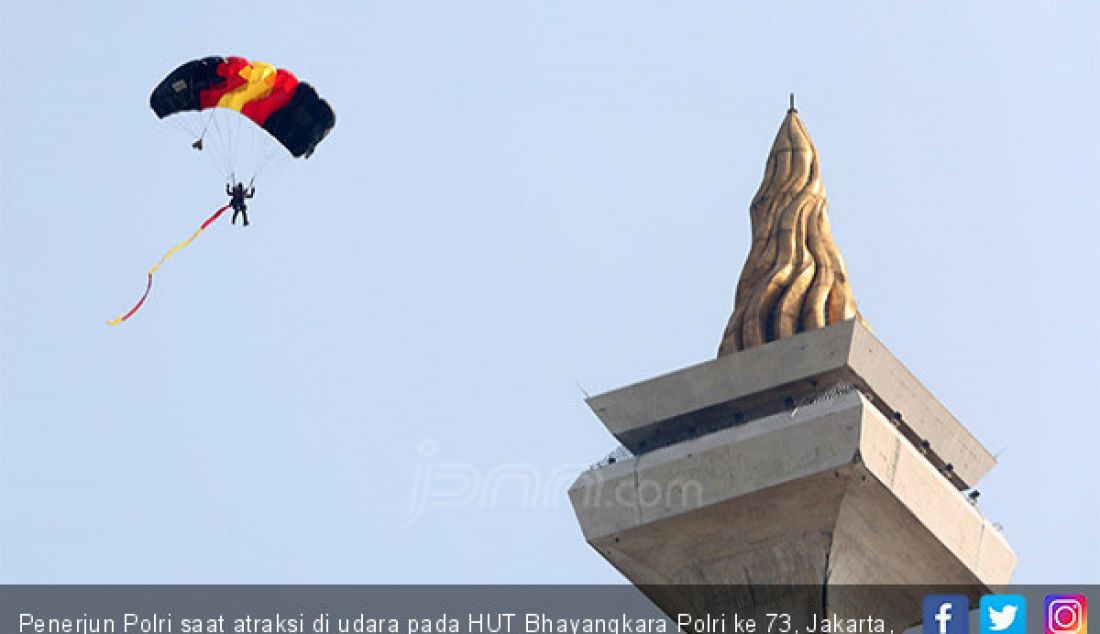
(237,150)
(255,149)
(224,123)
(223,153)
(202,135)
(180,124)
(149,283)
(269,153)
(222,161)
(230,125)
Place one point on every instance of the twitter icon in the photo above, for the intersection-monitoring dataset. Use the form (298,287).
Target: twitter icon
(1003,614)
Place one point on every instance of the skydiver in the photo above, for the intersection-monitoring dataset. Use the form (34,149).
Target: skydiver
(237,195)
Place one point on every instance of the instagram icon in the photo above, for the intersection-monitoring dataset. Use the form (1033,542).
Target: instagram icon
(1066,614)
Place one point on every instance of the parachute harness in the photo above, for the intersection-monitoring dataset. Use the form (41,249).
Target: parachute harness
(149,284)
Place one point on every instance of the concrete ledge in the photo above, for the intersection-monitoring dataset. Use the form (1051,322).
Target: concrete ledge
(832,493)
(780,376)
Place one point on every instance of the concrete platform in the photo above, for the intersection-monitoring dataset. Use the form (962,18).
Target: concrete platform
(813,498)
(778,376)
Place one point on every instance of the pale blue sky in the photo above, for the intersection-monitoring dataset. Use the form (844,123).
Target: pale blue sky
(518,197)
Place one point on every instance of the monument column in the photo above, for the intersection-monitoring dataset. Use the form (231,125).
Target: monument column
(805,462)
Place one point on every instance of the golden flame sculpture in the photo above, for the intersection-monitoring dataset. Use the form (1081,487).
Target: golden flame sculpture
(794,278)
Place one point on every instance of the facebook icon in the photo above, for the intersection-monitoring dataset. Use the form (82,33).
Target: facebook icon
(946,614)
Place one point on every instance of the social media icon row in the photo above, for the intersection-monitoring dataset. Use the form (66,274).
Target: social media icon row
(1004,614)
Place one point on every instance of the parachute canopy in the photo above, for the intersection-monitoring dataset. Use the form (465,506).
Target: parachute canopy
(273,98)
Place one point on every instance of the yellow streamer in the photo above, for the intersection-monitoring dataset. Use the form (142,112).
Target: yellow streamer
(149,285)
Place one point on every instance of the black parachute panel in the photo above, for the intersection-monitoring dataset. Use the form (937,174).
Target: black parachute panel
(303,123)
(179,91)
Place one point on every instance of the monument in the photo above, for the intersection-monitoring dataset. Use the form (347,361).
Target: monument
(805,469)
